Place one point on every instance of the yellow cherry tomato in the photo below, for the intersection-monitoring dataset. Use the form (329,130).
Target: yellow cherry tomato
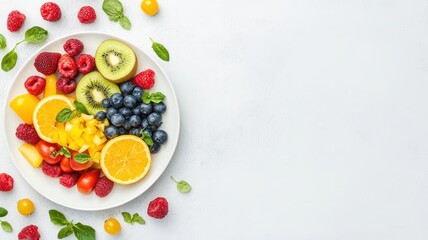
(25,206)
(24,105)
(150,7)
(112,226)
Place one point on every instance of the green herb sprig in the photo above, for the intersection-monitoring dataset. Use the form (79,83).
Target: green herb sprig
(147,138)
(134,219)
(81,231)
(114,11)
(4,224)
(67,114)
(160,50)
(182,185)
(3,44)
(156,97)
(33,35)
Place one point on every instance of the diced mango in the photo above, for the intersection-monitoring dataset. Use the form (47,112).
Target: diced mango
(76,132)
(96,157)
(31,154)
(83,148)
(62,138)
(91,130)
(92,123)
(50,88)
(87,117)
(80,142)
(73,146)
(88,137)
(97,140)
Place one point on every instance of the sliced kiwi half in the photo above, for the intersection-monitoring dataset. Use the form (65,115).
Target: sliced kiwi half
(116,61)
(92,89)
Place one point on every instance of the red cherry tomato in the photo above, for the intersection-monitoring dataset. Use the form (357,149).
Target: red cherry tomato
(87,181)
(49,151)
(76,166)
(65,165)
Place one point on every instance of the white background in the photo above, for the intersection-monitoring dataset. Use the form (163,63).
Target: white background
(301,119)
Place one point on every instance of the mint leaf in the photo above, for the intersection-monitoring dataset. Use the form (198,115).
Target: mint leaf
(65,152)
(6,226)
(147,138)
(182,185)
(3,44)
(80,108)
(136,218)
(160,50)
(36,35)
(65,232)
(57,218)
(82,158)
(146,97)
(157,97)
(9,61)
(125,23)
(3,212)
(113,9)
(64,115)
(83,232)
(127,217)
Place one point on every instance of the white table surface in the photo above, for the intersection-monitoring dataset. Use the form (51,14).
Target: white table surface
(300,119)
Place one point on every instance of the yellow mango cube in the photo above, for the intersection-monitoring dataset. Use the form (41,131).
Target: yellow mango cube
(83,148)
(73,146)
(31,154)
(76,132)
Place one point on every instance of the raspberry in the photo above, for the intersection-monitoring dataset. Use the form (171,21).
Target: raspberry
(68,180)
(6,182)
(30,232)
(103,187)
(15,20)
(27,133)
(67,66)
(65,85)
(52,170)
(145,79)
(47,62)
(50,12)
(35,85)
(87,15)
(85,63)
(73,47)
(158,208)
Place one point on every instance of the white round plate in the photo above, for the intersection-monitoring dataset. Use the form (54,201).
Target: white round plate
(50,187)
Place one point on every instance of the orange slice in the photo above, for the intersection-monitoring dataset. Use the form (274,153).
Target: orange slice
(44,116)
(125,159)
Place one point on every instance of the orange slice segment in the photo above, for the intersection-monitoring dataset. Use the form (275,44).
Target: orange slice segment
(44,116)
(125,159)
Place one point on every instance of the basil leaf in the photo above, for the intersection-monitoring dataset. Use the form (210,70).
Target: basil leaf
(80,108)
(127,217)
(146,97)
(3,212)
(157,97)
(65,152)
(83,232)
(36,34)
(82,158)
(113,9)
(57,218)
(6,226)
(147,138)
(136,218)
(65,232)
(125,23)
(64,115)
(160,50)
(182,186)
(3,44)
(9,61)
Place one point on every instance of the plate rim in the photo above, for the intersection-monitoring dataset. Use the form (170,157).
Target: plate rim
(126,40)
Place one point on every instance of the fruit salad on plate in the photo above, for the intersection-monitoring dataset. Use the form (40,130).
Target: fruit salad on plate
(90,120)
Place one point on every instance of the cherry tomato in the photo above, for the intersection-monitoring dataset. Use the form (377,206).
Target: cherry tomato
(87,181)
(65,165)
(76,166)
(112,226)
(150,7)
(25,206)
(49,151)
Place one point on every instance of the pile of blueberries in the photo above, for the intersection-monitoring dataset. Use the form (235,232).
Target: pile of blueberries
(127,114)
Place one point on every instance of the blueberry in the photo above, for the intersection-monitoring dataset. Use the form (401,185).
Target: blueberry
(127,126)
(117,119)
(136,110)
(135,120)
(126,112)
(155,148)
(138,93)
(153,128)
(144,123)
(130,101)
(127,87)
(146,108)
(159,108)
(135,131)
(148,131)
(122,131)
(154,119)
(111,132)
(160,136)
(100,115)
(116,100)
(106,103)
(110,111)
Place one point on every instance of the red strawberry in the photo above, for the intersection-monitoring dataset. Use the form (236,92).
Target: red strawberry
(50,12)
(35,85)
(15,20)
(87,15)
(47,62)
(65,85)
(67,66)
(103,187)
(73,47)
(145,79)
(6,182)
(30,232)
(158,208)
(27,133)
(85,63)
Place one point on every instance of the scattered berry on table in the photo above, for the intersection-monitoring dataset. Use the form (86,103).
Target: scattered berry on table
(155,148)
(73,47)
(145,79)
(158,208)
(127,87)
(154,119)
(111,132)
(87,15)
(15,20)
(130,101)
(50,12)
(100,116)
(47,62)
(85,63)
(51,170)
(35,85)
(117,119)
(160,136)
(68,180)
(112,226)
(103,187)
(26,132)
(25,206)
(67,66)
(65,85)
(159,108)
(150,7)
(6,182)
(30,232)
